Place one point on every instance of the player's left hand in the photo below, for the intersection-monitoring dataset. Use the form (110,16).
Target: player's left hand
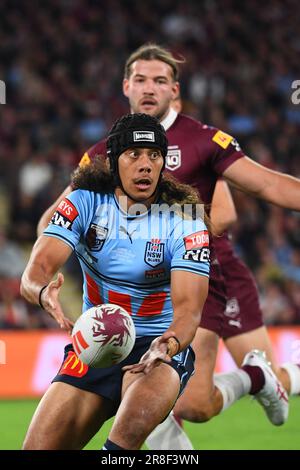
(156,354)
(52,305)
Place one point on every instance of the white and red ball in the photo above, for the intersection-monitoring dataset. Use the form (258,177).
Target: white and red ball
(103,335)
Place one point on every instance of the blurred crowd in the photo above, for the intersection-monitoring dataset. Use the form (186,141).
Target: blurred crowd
(62,62)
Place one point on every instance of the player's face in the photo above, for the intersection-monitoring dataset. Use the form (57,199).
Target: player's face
(139,171)
(150,87)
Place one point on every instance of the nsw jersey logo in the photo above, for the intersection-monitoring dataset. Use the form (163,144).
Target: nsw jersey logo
(154,252)
(173,161)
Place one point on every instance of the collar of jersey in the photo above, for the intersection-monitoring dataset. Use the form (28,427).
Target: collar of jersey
(169,119)
(126,215)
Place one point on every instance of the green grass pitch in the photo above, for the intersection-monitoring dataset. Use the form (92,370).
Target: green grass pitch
(243,426)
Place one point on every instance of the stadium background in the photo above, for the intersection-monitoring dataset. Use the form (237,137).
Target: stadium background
(62,64)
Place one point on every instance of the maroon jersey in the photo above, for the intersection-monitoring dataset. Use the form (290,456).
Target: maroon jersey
(197,154)
(242,312)
(223,248)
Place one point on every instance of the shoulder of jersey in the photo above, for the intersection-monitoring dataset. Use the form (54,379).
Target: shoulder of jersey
(222,139)
(90,198)
(98,149)
(192,125)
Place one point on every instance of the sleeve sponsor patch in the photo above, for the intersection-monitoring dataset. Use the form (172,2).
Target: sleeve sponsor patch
(66,208)
(222,139)
(201,255)
(197,240)
(65,214)
(85,160)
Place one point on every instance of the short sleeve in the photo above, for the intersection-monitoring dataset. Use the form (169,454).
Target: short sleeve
(71,217)
(226,150)
(189,247)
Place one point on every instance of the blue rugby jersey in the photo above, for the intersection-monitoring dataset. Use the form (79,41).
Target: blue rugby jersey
(127,260)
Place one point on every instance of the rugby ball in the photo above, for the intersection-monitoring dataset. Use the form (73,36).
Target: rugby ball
(103,335)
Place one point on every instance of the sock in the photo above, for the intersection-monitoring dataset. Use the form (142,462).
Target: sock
(232,386)
(169,436)
(256,376)
(293,371)
(109,445)
(178,420)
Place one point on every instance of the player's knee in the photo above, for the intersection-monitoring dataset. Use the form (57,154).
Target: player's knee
(194,412)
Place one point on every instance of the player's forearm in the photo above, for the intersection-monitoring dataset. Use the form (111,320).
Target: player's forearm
(34,278)
(47,257)
(284,192)
(254,179)
(223,213)
(185,325)
(220,225)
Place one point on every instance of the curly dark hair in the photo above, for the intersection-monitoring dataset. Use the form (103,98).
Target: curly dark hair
(97,177)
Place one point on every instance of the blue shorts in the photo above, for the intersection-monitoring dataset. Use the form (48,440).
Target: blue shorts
(107,381)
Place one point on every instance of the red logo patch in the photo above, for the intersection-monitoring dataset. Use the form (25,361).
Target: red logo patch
(196,240)
(73,366)
(67,209)
(79,343)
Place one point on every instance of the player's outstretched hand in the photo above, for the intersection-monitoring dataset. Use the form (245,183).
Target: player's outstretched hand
(52,304)
(156,354)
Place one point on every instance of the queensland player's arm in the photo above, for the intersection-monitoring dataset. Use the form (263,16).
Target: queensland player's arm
(47,215)
(223,213)
(275,187)
(48,255)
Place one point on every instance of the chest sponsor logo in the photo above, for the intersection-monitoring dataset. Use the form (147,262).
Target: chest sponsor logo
(155,274)
(96,236)
(154,253)
(196,240)
(222,139)
(173,160)
(140,136)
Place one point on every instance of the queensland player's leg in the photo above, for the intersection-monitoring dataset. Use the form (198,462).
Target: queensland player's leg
(239,345)
(206,395)
(147,400)
(66,418)
(169,435)
(201,400)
